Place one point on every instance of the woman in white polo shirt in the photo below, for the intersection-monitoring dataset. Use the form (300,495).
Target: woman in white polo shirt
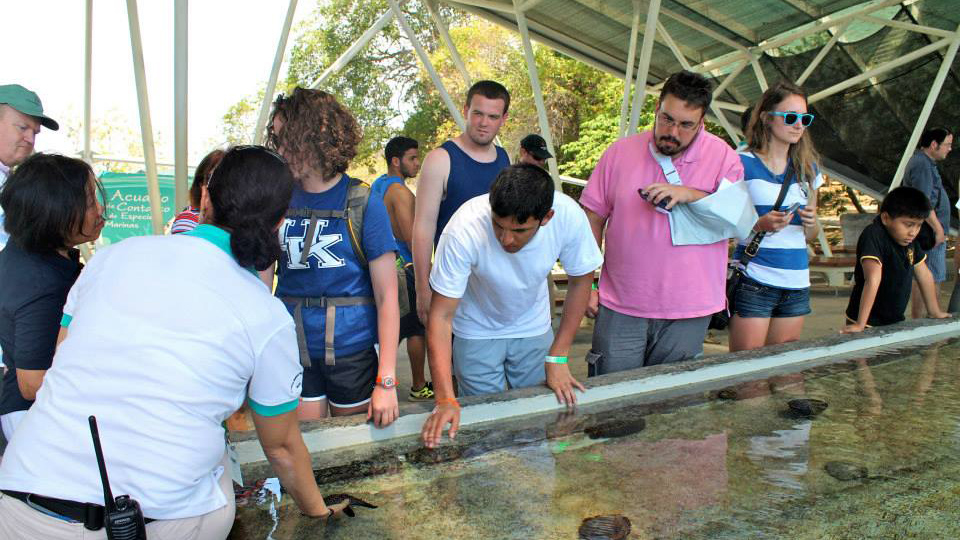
(168,335)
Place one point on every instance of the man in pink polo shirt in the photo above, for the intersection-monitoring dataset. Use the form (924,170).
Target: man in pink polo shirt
(655,298)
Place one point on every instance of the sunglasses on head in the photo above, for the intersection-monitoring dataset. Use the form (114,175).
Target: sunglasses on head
(790,118)
(246,148)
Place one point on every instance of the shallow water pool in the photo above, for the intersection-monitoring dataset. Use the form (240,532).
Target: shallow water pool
(881,461)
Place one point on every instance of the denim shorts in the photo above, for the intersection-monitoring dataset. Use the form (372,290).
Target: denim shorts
(754,299)
(937,262)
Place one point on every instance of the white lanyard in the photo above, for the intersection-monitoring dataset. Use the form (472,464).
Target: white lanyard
(666,165)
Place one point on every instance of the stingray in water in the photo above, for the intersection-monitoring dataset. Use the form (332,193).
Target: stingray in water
(354,501)
(615,527)
(806,407)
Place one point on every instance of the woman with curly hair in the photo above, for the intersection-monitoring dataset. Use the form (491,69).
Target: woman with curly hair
(337,274)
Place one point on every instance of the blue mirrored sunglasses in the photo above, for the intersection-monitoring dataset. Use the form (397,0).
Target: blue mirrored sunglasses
(790,118)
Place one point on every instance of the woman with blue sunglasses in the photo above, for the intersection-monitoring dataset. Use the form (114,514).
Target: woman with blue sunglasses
(773,296)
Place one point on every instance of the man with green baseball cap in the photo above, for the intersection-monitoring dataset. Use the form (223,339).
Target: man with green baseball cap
(21,115)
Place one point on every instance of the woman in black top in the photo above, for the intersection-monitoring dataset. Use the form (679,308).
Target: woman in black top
(52,204)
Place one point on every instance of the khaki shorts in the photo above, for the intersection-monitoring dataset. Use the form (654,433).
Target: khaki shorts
(17,520)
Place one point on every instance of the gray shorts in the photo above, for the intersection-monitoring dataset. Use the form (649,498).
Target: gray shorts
(490,366)
(622,342)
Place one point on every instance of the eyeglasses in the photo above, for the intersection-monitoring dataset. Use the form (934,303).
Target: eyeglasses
(271,136)
(668,122)
(790,118)
(247,147)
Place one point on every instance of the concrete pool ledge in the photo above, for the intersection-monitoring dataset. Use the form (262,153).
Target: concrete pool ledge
(340,433)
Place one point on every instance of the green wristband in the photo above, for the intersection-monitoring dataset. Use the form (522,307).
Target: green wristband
(556,360)
(593,286)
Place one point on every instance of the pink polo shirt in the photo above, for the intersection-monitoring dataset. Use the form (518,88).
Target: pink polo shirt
(644,274)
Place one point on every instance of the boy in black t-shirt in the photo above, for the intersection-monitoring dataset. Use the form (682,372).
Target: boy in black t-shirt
(888,258)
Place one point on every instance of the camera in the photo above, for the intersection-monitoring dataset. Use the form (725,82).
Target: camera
(661,206)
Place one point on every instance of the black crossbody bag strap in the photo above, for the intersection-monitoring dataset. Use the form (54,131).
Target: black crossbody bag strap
(754,246)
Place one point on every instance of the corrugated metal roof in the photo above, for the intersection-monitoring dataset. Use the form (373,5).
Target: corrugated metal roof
(714,35)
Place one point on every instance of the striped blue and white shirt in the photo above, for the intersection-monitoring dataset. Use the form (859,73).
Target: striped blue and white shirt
(782,260)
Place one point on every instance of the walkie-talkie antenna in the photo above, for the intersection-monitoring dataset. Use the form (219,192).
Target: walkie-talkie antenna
(108,502)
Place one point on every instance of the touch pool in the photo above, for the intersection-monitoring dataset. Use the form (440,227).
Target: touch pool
(721,461)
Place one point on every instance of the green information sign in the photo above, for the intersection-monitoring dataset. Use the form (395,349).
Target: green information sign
(128,205)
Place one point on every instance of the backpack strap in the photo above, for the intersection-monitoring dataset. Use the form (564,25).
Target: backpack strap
(358,193)
(753,247)
(330,303)
(314,215)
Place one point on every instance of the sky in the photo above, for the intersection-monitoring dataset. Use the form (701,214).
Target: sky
(232,44)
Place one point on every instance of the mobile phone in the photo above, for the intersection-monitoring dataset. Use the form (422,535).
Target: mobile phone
(793,208)
(662,205)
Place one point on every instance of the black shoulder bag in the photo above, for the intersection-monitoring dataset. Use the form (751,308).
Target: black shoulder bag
(721,319)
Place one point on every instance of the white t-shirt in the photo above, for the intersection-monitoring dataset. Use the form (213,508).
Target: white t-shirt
(504,295)
(167,337)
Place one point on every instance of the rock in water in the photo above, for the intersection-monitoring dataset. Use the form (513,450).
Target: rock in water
(354,501)
(807,407)
(614,527)
(727,393)
(844,471)
(616,427)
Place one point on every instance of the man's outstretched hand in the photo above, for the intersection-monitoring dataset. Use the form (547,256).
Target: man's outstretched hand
(443,414)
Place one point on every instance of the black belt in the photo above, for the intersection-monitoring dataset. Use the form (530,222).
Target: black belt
(91,515)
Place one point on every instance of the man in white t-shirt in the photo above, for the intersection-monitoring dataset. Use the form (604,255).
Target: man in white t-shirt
(490,293)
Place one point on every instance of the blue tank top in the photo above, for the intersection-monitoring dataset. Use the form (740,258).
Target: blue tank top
(468,178)
(332,268)
(379,188)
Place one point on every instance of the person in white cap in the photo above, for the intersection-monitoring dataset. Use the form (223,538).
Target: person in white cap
(21,115)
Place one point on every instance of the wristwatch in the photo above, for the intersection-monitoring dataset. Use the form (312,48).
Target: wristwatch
(386,383)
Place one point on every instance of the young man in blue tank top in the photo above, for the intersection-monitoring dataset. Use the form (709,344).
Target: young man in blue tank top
(403,161)
(460,169)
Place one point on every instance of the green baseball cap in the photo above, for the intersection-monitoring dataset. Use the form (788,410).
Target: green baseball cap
(26,102)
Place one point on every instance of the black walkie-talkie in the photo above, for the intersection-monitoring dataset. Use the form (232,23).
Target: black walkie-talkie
(122,517)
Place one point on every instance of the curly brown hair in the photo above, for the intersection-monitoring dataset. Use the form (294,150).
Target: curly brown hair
(317,132)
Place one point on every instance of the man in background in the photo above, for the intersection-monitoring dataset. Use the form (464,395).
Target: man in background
(21,115)
(922,173)
(459,170)
(533,150)
(403,161)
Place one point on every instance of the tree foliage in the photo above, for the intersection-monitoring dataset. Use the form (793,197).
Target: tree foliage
(112,135)
(241,118)
(376,82)
(573,92)
(391,93)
